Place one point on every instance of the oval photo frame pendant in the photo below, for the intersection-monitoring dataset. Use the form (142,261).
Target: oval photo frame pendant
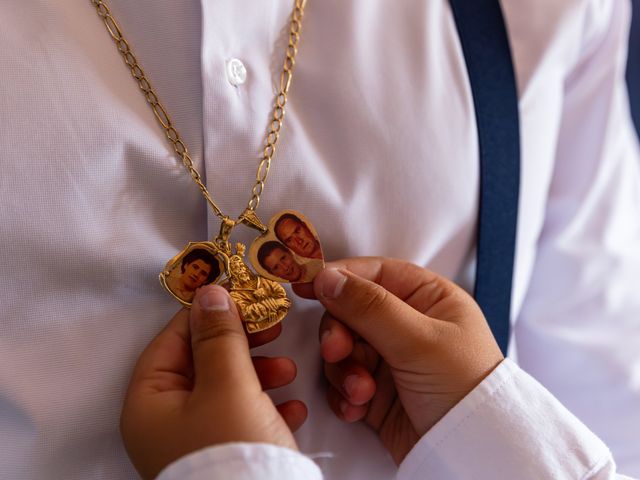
(198,264)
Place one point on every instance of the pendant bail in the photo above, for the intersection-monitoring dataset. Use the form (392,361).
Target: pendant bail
(250,219)
(222,239)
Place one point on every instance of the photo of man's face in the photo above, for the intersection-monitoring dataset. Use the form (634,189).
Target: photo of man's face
(297,236)
(289,250)
(190,271)
(194,274)
(280,262)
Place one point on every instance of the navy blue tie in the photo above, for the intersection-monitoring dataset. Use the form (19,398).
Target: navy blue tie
(633,65)
(487,52)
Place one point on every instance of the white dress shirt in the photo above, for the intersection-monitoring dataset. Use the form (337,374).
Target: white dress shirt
(532,437)
(379,149)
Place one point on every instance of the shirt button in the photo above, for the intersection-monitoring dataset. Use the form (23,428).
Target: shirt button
(236,72)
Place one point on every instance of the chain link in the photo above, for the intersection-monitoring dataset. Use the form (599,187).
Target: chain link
(277,117)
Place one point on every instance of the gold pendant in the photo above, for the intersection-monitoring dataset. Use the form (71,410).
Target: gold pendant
(287,251)
(262,302)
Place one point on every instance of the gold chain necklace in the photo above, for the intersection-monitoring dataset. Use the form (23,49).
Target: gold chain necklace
(288,249)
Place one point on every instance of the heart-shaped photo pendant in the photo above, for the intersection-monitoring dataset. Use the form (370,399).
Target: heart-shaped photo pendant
(289,251)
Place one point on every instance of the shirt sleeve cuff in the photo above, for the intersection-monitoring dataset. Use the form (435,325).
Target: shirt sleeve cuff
(242,461)
(511,425)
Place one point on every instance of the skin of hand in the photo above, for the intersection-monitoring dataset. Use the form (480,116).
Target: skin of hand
(196,385)
(401,346)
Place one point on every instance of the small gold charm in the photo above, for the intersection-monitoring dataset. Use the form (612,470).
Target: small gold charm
(262,302)
(289,251)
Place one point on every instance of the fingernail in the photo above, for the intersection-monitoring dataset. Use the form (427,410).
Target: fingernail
(214,299)
(350,385)
(333,281)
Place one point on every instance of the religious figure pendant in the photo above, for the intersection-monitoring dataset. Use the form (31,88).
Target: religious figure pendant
(287,251)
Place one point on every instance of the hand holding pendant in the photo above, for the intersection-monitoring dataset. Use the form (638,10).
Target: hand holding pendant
(185,395)
(401,346)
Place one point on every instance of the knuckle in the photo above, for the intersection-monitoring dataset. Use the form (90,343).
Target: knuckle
(372,300)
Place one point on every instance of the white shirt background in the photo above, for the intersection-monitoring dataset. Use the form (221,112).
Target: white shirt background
(379,150)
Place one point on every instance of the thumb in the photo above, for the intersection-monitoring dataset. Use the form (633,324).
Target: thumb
(391,326)
(220,347)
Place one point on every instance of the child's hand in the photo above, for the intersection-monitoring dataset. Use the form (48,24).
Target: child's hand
(401,346)
(195,385)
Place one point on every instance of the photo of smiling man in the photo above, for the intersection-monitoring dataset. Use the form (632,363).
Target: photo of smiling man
(278,261)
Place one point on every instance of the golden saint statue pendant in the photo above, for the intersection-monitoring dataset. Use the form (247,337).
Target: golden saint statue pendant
(288,251)
(262,302)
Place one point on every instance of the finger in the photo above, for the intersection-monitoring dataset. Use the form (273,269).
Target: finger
(304,290)
(390,325)
(274,372)
(294,413)
(385,397)
(337,343)
(403,279)
(365,355)
(265,336)
(165,364)
(336,340)
(220,347)
(352,380)
(343,409)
